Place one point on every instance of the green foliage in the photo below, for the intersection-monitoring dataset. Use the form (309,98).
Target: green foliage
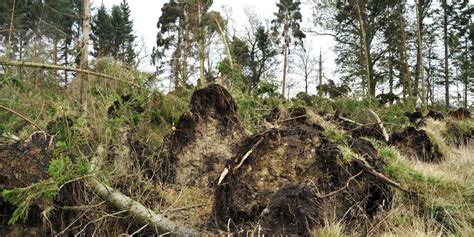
(267,89)
(61,170)
(335,135)
(23,198)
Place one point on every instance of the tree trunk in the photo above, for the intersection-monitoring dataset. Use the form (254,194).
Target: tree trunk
(54,55)
(390,76)
(365,52)
(466,71)
(85,54)
(420,76)
(202,54)
(445,39)
(405,70)
(184,76)
(177,56)
(10,30)
(285,55)
(428,76)
(320,89)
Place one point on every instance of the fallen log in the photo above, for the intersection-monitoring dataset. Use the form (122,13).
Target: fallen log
(144,215)
(49,66)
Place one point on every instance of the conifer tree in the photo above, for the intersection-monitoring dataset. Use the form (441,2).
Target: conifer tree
(287,21)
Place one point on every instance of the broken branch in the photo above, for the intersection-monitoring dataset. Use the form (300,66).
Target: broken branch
(384,132)
(248,153)
(380,176)
(23,117)
(340,189)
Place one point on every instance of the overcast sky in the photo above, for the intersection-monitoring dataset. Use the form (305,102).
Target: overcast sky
(145,14)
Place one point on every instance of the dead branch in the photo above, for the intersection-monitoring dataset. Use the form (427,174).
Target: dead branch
(340,189)
(380,176)
(49,66)
(23,117)
(226,170)
(337,116)
(384,132)
(248,153)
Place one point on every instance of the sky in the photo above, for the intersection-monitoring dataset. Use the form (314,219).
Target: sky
(145,14)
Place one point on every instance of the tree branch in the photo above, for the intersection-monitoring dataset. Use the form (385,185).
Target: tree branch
(49,66)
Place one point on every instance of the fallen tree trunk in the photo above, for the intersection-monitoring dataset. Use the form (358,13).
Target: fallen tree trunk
(49,66)
(142,214)
(145,216)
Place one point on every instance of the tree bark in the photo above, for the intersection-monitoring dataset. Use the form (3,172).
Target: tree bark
(177,56)
(365,52)
(285,55)
(446,62)
(405,71)
(320,89)
(184,76)
(85,53)
(420,68)
(202,54)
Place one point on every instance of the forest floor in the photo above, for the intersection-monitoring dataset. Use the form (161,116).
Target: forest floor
(219,161)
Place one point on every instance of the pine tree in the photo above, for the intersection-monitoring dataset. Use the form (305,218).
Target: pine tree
(101,34)
(288,18)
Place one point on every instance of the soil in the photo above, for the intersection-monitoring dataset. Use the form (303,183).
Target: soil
(460,114)
(204,139)
(291,180)
(435,115)
(22,164)
(415,142)
(415,118)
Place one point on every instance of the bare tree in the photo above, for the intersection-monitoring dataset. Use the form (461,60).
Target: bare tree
(305,65)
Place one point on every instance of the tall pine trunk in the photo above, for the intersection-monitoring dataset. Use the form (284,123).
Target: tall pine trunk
(177,56)
(419,55)
(202,55)
(405,70)
(285,55)
(184,76)
(85,53)
(365,52)
(320,89)
(446,62)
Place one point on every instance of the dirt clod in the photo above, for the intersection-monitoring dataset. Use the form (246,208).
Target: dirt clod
(460,114)
(415,142)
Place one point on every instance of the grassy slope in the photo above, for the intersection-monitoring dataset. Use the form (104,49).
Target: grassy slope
(446,190)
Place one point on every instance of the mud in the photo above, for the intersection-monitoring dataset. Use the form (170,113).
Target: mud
(416,143)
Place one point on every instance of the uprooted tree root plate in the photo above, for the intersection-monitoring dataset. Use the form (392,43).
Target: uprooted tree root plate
(416,143)
(286,179)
